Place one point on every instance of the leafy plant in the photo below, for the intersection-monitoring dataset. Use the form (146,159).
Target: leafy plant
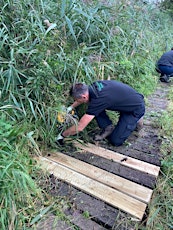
(17,188)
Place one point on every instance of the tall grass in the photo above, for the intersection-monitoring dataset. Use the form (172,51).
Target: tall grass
(84,44)
(22,203)
(17,187)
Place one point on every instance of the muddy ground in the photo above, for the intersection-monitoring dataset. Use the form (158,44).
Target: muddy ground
(85,212)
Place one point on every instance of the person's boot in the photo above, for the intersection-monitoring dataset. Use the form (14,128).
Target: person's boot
(140,124)
(164,78)
(105,133)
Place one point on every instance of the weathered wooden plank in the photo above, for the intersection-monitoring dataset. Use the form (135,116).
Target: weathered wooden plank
(83,223)
(50,222)
(120,158)
(128,173)
(98,209)
(125,186)
(95,188)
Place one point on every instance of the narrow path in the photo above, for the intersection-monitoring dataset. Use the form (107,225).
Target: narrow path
(88,213)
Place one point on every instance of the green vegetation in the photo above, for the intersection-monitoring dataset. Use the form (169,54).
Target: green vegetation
(38,62)
(168,6)
(162,203)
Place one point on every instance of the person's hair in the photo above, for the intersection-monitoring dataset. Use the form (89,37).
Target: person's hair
(77,90)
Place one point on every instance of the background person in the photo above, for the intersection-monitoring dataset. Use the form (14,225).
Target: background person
(165,66)
(107,95)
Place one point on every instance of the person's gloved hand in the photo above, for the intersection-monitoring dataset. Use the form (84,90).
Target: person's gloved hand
(69,109)
(59,140)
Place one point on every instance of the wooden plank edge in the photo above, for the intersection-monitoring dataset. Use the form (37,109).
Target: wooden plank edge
(119,183)
(120,158)
(113,197)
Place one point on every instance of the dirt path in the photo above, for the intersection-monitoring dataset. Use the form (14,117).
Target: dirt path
(85,212)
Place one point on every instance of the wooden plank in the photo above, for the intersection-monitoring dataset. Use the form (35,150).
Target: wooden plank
(83,223)
(125,186)
(95,188)
(120,158)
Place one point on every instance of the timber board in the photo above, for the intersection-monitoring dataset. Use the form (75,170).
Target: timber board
(125,186)
(120,158)
(123,171)
(97,189)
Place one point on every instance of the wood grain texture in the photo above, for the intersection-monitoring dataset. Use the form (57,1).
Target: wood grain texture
(125,186)
(120,158)
(101,191)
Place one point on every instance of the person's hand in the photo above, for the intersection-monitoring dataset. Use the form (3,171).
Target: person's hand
(69,109)
(59,140)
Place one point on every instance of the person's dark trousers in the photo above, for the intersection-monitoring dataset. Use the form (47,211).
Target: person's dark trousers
(168,70)
(125,126)
(103,120)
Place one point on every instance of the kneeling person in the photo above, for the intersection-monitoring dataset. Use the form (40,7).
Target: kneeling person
(107,95)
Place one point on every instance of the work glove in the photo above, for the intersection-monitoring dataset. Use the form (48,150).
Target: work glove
(59,140)
(69,109)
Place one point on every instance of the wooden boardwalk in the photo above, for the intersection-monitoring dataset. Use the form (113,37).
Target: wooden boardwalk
(120,193)
(109,183)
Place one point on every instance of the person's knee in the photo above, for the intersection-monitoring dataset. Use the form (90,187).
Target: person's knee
(117,142)
(118,138)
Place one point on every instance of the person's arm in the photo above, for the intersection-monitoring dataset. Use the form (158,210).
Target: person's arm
(73,106)
(76,104)
(84,121)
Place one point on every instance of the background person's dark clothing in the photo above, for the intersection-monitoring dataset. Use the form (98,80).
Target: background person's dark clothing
(166,59)
(165,63)
(116,96)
